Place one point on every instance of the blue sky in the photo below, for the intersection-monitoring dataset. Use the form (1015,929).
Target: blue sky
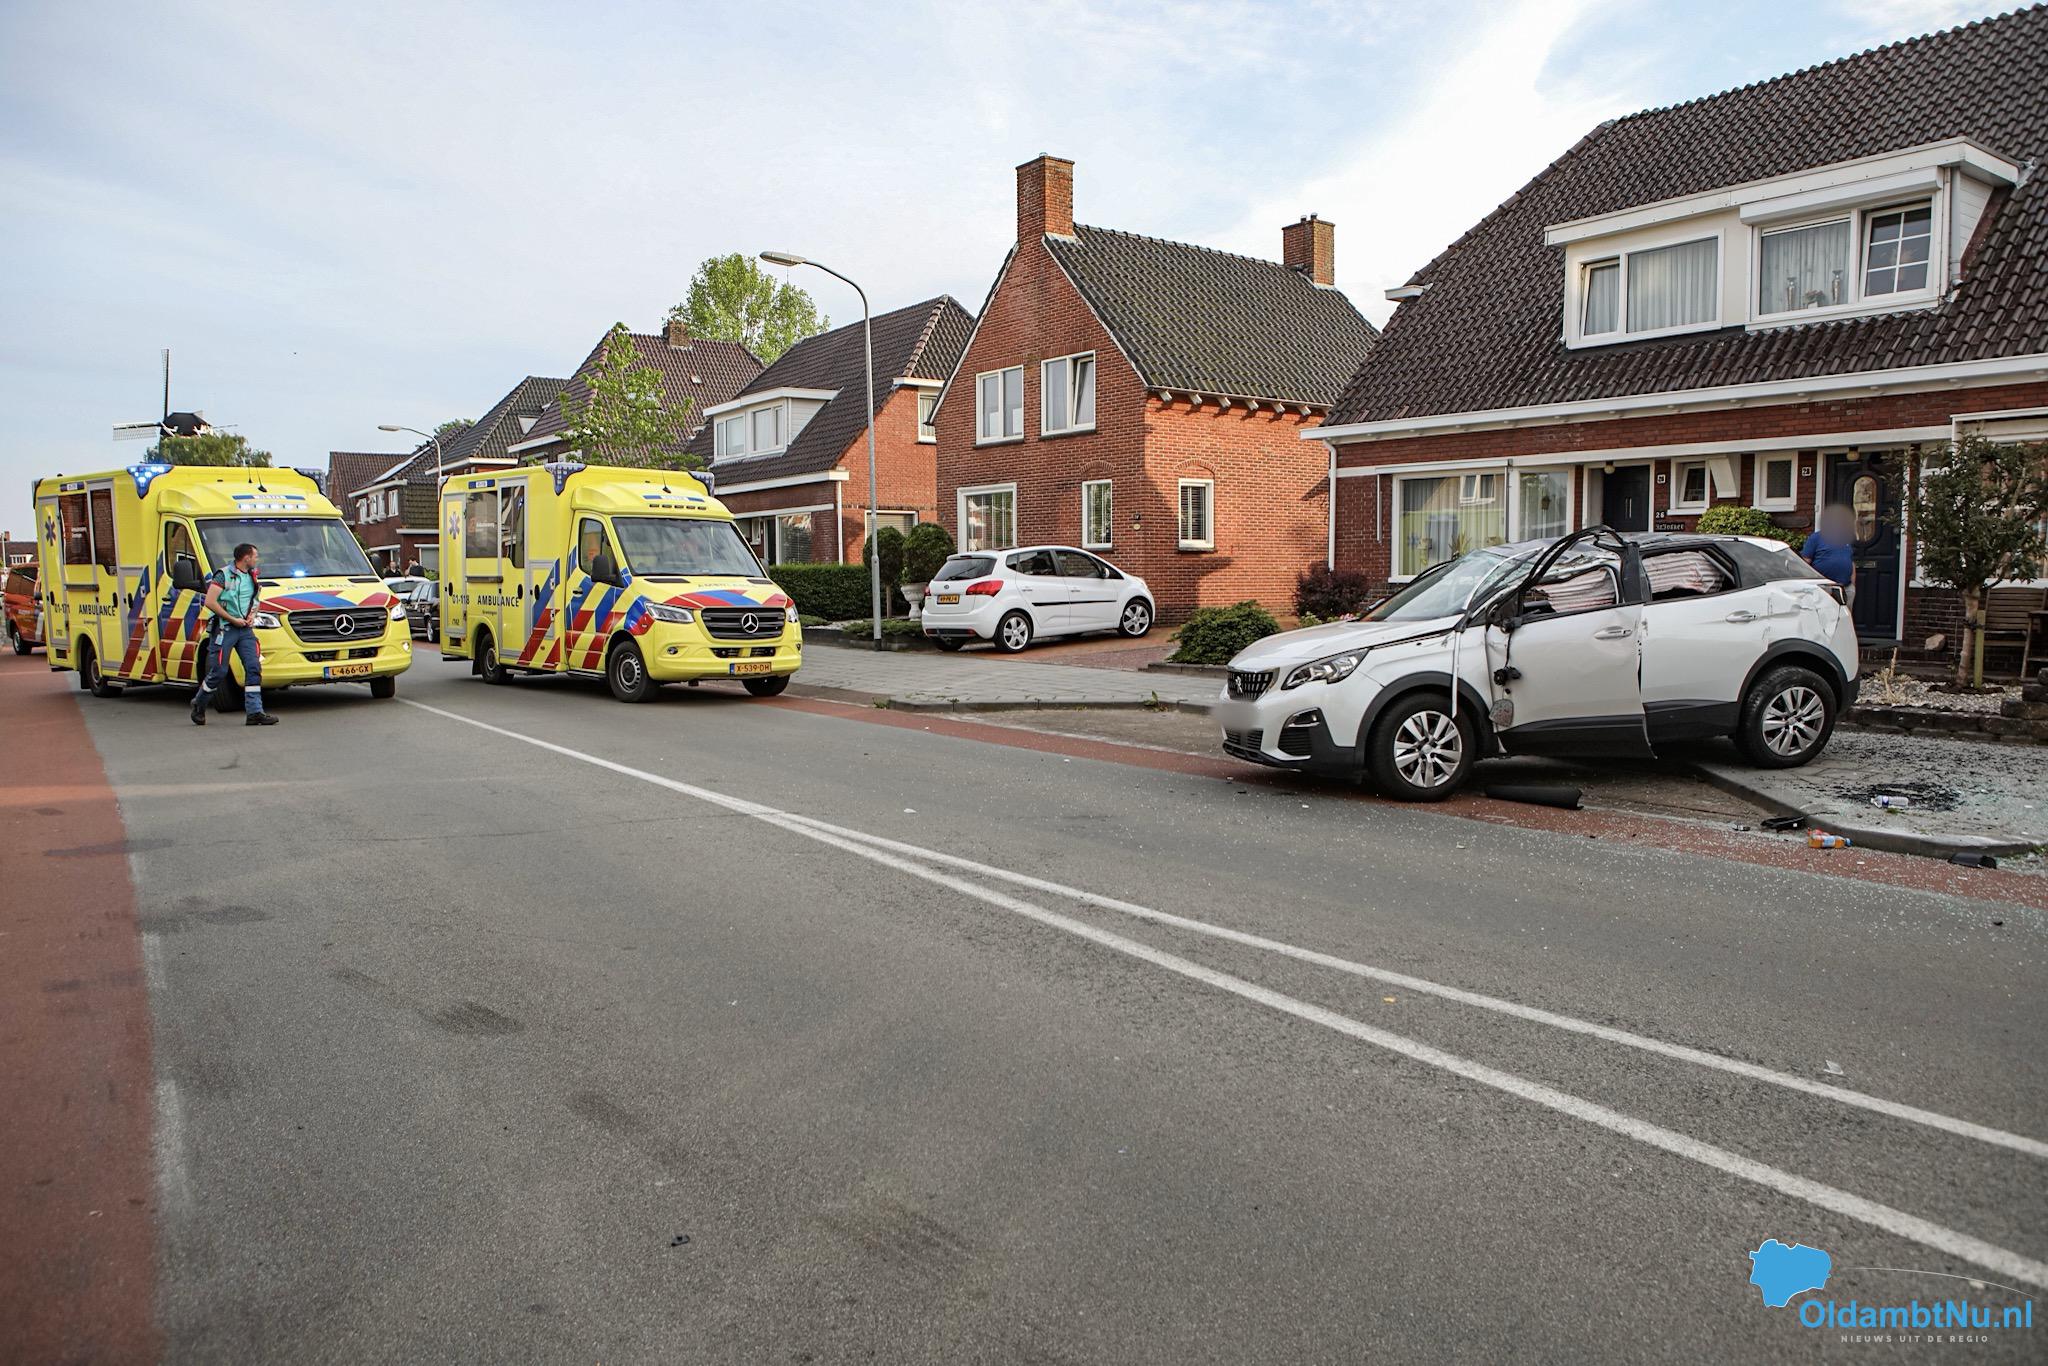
(342,215)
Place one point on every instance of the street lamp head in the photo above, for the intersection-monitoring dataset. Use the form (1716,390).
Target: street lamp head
(389,427)
(784,258)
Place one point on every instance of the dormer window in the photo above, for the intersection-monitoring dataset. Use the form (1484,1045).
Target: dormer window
(1657,289)
(1811,266)
(1900,241)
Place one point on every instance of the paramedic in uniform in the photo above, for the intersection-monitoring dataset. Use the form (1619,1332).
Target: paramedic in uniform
(231,597)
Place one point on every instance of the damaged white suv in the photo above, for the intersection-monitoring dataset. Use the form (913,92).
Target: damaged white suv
(1592,644)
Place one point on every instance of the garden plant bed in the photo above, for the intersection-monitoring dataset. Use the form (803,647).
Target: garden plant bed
(2017,715)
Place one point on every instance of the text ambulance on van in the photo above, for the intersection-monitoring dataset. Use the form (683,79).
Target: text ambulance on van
(635,576)
(125,556)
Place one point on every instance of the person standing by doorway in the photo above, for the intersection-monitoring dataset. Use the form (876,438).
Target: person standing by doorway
(1831,549)
(231,598)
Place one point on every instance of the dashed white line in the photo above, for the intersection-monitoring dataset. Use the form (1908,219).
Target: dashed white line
(1895,1221)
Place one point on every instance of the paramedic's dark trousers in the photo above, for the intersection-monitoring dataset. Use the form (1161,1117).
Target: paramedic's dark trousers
(234,640)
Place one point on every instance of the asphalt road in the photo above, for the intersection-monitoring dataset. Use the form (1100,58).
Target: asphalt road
(459,1028)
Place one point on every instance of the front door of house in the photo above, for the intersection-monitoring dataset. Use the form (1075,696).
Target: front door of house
(1625,498)
(1867,483)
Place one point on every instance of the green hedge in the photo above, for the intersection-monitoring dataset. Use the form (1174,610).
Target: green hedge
(831,591)
(1214,635)
(1726,519)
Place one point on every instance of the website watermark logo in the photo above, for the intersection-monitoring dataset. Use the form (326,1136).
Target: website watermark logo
(1781,1272)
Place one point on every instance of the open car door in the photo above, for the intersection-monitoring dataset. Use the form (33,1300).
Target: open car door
(1572,660)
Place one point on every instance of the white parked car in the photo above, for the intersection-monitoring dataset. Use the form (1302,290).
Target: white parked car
(1592,644)
(1014,597)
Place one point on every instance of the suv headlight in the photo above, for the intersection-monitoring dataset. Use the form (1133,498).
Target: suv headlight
(674,616)
(1329,670)
(265,620)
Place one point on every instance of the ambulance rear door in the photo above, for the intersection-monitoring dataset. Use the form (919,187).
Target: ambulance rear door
(454,605)
(51,595)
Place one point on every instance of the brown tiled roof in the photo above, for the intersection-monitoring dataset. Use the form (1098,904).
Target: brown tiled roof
(348,471)
(1214,322)
(1484,334)
(923,341)
(700,372)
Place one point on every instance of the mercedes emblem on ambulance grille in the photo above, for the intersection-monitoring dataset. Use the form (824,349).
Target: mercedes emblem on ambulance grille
(750,623)
(344,624)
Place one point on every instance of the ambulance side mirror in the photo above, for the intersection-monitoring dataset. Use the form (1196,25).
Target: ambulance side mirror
(604,568)
(185,574)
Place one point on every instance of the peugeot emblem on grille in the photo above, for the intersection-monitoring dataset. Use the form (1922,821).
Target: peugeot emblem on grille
(344,624)
(750,623)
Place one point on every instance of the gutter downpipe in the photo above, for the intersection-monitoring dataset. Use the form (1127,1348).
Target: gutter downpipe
(1330,559)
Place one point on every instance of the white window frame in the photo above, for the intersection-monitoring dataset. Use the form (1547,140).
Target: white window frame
(1003,410)
(1513,517)
(1069,422)
(1758,498)
(927,433)
(1109,538)
(1681,235)
(1677,490)
(727,422)
(1470,488)
(1856,301)
(754,416)
(1209,514)
(960,497)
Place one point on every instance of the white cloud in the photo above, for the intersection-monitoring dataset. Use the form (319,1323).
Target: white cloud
(1483,125)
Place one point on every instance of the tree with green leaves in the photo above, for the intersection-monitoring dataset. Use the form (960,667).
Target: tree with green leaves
(1977,520)
(209,448)
(453,427)
(623,416)
(733,299)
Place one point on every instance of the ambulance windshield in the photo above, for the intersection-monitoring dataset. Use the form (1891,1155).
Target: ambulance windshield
(684,546)
(287,547)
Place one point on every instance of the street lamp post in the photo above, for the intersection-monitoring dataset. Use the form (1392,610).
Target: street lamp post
(789,258)
(438,468)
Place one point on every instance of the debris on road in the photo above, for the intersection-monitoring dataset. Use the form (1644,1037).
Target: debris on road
(1792,822)
(1970,859)
(1821,839)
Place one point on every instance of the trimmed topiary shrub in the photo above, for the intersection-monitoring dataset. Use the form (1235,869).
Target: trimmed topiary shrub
(832,592)
(926,548)
(1329,593)
(1726,519)
(1213,635)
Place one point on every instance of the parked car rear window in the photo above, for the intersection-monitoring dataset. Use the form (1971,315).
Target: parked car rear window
(965,567)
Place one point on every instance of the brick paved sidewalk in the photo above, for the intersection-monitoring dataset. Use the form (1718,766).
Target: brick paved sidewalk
(916,680)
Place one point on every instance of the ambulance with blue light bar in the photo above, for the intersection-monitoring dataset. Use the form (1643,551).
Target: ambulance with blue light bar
(638,577)
(124,560)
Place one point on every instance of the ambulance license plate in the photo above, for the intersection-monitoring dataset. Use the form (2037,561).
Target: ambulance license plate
(347,671)
(949,599)
(753,666)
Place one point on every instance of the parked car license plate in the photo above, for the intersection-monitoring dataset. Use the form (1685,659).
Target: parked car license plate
(753,666)
(949,598)
(347,671)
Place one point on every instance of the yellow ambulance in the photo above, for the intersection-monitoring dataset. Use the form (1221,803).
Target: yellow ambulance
(635,576)
(125,557)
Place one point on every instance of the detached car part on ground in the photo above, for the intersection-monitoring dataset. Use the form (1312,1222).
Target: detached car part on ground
(1594,644)
(1014,597)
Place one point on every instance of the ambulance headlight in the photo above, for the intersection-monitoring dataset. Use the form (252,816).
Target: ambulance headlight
(398,611)
(674,616)
(789,615)
(263,620)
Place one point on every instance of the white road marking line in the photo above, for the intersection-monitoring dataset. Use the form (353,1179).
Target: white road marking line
(1897,1222)
(173,1178)
(1983,1133)
(153,964)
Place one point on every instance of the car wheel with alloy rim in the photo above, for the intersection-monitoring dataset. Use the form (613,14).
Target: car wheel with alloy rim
(1418,751)
(1136,619)
(487,666)
(1786,718)
(1013,633)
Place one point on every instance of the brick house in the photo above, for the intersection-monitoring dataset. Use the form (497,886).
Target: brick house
(1144,399)
(348,474)
(789,452)
(394,514)
(1772,297)
(697,374)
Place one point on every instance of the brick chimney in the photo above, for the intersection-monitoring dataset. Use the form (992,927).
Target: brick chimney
(1310,246)
(677,332)
(1045,198)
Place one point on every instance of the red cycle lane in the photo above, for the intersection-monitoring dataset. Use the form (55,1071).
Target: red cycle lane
(77,1232)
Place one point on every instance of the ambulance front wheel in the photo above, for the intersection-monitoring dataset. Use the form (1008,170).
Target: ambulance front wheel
(767,687)
(626,671)
(383,689)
